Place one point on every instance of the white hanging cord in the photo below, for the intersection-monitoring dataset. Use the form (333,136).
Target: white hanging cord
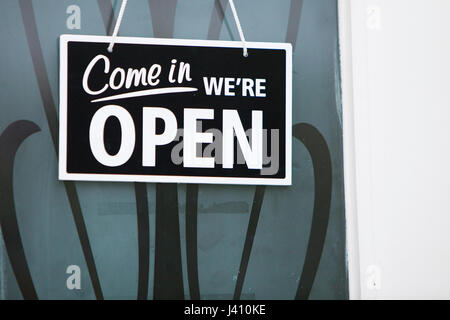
(238,25)
(117,26)
(122,10)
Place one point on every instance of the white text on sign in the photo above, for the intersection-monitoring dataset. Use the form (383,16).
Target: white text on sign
(231,126)
(228,86)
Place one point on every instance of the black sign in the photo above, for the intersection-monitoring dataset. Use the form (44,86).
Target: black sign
(189,111)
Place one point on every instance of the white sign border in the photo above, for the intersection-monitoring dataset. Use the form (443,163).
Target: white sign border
(64,175)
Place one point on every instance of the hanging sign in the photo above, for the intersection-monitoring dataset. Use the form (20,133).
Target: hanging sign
(164,110)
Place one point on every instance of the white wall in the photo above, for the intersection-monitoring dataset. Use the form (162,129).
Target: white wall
(395,57)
